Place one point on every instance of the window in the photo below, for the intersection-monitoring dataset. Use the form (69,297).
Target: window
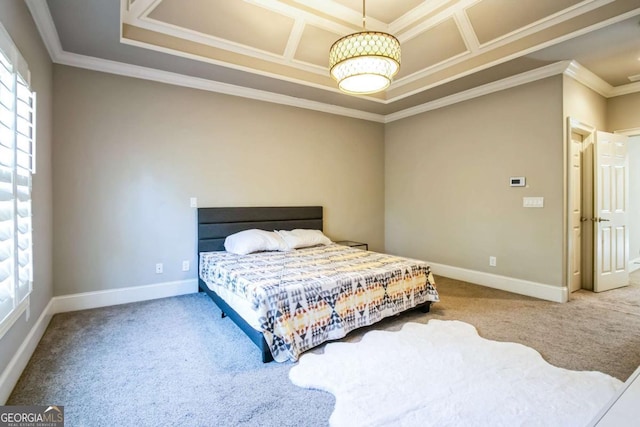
(17,161)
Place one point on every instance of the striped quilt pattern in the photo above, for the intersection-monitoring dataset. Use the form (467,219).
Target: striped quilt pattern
(308,296)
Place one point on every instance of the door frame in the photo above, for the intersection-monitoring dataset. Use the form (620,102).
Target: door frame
(587,131)
(631,132)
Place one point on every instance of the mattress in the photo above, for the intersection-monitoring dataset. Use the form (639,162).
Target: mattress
(239,304)
(305,297)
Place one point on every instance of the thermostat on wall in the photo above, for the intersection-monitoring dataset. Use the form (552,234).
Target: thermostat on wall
(517,181)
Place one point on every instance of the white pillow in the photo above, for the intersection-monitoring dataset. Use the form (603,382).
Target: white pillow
(302,238)
(254,240)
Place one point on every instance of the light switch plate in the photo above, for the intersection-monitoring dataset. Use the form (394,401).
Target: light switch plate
(533,202)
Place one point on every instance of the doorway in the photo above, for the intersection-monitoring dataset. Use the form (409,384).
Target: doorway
(598,209)
(634,205)
(580,206)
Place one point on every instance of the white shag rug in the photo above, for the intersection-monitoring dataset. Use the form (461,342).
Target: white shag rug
(444,374)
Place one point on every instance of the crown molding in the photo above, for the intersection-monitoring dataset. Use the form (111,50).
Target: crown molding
(506,83)
(587,78)
(592,81)
(629,132)
(44,22)
(128,70)
(625,90)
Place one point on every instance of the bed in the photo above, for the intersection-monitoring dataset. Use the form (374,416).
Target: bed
(287,302)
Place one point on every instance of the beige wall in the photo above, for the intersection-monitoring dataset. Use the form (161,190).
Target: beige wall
(16,19)
(447,194)
(623,112)
(130,153)
(583,104)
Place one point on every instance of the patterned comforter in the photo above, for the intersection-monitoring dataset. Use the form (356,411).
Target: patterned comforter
(308,296)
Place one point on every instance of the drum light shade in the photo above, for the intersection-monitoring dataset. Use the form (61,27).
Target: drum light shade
(364,62)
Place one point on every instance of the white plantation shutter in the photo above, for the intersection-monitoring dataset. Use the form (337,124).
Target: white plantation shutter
(7,215)
(17,161)
(25,137)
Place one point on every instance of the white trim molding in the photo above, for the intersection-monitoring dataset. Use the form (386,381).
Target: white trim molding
(15,314)
(83,301)
(11,374)
(87,300)
(506,83)
(504,283)
(44,22)
(136,71)
(42,17)
(629,132)
(634,265)
(589,79)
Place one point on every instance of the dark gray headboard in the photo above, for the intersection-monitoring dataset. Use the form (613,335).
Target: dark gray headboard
(215,224)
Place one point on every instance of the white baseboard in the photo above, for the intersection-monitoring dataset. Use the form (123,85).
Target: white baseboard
(634,265)
(12,372)
(87,300)
(83,301)
(509,284)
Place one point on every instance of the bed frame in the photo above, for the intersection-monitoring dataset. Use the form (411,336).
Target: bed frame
(215,224)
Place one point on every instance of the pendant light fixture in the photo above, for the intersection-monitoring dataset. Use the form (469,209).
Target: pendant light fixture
(364,62)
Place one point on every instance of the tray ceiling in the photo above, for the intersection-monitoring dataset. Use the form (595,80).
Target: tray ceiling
(281,46)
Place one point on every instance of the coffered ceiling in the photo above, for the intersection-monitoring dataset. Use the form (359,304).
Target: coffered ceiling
(279,48)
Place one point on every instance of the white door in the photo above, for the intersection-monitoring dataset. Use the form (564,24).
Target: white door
(611,217)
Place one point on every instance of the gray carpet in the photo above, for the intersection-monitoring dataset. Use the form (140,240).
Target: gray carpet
(168,362)
(175,362)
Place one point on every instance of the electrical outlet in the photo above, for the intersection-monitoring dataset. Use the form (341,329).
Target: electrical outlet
(159,268)
(492,261)
(193,202)
(185,265)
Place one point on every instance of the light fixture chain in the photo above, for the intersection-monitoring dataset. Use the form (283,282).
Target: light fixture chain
(364,62)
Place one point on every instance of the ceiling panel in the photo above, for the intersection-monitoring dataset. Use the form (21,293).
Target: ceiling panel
(207,52)
(613,52)
(444,8)
(385,11)
(280,47)
(494,18)
(431,47)
(237,21)
(314,45)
